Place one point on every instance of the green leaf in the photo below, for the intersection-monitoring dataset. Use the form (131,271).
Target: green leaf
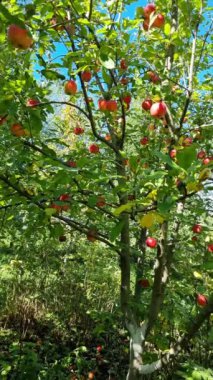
(106,61)
(52,75)
(41,60)
(167,29)
(186,156)
(123,208)
(11,18)
(116,230)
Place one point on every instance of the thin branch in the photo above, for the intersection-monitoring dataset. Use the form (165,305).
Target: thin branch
(191,70)
(72,223)
(63,102)
(90,10)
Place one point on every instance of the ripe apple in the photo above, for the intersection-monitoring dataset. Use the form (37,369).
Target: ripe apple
(159,21)
(123,64)
(194,238)
(197,228)
(64,197)
(146,24)
(201,154)
(94,148)
(19,37)
(102,105)
(127,99)
(32,103)
(56,206)
(70,87)
(112,106)
(124,81)
(201,300)
(3,119)
(187,141)
(173,153)
(101,201)
(91,235)
(18,130)
(99,348)
(154,78)
(144,141)
(210,248)
(144,283)
(151,242)
(78,130)
(72,164)
(206,161)
(62,238)
(91,375)
(108,137)
(146,104)
(86,76)
(158,109)
(148,9)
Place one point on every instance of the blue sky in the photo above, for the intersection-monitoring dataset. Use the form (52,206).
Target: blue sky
(130,13)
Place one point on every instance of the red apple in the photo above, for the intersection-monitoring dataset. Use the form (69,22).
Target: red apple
(144,141)
(206,161)
(19,37)
(197,228)
(108,137)
(210,248)
(201,154)
(99,348)
(86,76)
(112,106)
(3,119)
(18,130)
(64,197)
(127,99)
(194,238)
(151,242)
(72,164)
(158,109)
(101,201)
(154,78)
(187,141)
(146,104)
(123,64)
(91,235)
(91,375)
(201,300)
(148,9)
(70,87)
(124,81)
(94,148)
(159,21)
(78,130)
(146,24)
(173,153)
(144,283)
(32,103)
(102,105)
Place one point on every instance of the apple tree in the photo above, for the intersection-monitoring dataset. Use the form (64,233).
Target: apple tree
(106,133)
